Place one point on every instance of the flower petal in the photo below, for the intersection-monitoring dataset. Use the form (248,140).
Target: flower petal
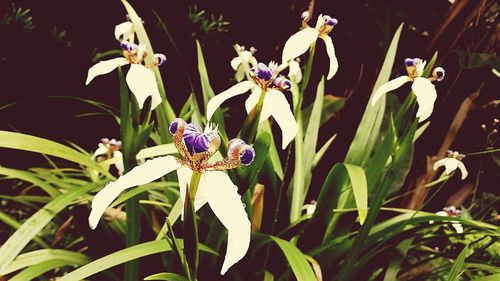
(119,163)
(240,73)
(299,43)
(124,29)
(439,163)
(142,83)
(280,110)
(294,70)
(426,96)
(104,67)
(389,86)
(215,102)
(463,170)
(334,63)
(100,151)
(252,99)
(145,173)
(451,165)
(235,62)
(226,204)
(184,175)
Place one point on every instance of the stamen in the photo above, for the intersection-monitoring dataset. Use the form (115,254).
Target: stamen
(410,62)
(438,73)
(127,46)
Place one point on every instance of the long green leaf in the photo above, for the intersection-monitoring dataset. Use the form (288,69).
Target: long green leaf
(38,269)
(29,177)
(458,265)
(40,145)
(167,276)
(359,188)
(31,227)
(16,225)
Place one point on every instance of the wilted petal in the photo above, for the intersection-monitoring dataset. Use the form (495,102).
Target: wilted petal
(334,63)
(145,173)
(451,165)
(124,29)
(389,86)
(463,170)
(294,70)
(184,175)
(119,162)
(142,83)
(299,43)
(215,102)
(226,204)
(104,67)
(426,96)
(279,108)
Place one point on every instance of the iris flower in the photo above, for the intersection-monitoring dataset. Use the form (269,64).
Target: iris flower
(244,56)
(452,161)
(267,82)
(300,42)
(451,211)
(108,149)
(215,187)
(140,78)
(422,87)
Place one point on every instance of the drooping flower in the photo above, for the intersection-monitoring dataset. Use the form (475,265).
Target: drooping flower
(244,56)
(422,87)
(108,149)
(266,82)
(215,187)
(452,161)
(300,42)
(140,78)
(451,211)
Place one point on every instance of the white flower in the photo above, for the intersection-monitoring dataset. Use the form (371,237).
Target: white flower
(140,79)
(215,187)
(266,82)
(451,163)
(244,56)
(309,208)
(422,87)
(108,149)
(451,211)
(300,42)
(294,70)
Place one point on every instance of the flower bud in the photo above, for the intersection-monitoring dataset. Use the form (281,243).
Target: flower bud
(282,83)
(238,148)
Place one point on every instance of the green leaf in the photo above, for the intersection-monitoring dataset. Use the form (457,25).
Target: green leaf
(331,106)
(368,130)
(32,226)
(297,260)
(38,269)
(493,277)
(29,177)
(273,156)
(469,60)
(321,152)
(359,188)
(16,225)
(35,144)
(458,265)
(122,256)
(166,276)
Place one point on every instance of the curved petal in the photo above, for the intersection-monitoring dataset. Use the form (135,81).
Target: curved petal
(124,29)
(240,74)
(280,110)
(142,83)
(100,151)
(299,43)
(226,204)
(451,165)
(334,63)
(458,226)
(119,163)
(184,175)
(463,170)
(294,70)
(253,61)
(145,173)
(426,96)
(215,102)
(439,163)
(104,67)
(389,86)
(235,62)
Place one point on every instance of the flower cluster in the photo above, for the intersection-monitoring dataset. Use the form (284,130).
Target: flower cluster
(215,187)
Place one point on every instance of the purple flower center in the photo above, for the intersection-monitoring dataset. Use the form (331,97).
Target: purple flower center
(161,58)
(195,140)
(173,127)
(247,156)
(330,21)
(410,62)
(263,72)
(127,46)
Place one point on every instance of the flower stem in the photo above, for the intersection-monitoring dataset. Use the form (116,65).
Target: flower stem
(308,68)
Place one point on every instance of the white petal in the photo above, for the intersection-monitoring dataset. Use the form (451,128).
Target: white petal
(442,213)
(104,67)
(240,73)
(426,96)
(458,227)
(142,83)
(299,43)
(253,61)
(119,163)
(319,21)
(184,175)
(145,173)
(334,63)
(236,62)
(439,163)
(294,70)
(463,170)
(125,29)
(451,165)
(100,151)
(226,204)
(389,86)
(215,102)
(280,110)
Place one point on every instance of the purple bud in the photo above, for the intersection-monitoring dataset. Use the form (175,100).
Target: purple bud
(282,83)
(174,125)
(330,21)
(247,155)
(263,72)
(160,58)
(439,73)
(127,46)
(238,148)
(409,62)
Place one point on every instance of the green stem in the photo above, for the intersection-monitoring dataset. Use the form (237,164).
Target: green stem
(308,69)
(133,229)
(193,185)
